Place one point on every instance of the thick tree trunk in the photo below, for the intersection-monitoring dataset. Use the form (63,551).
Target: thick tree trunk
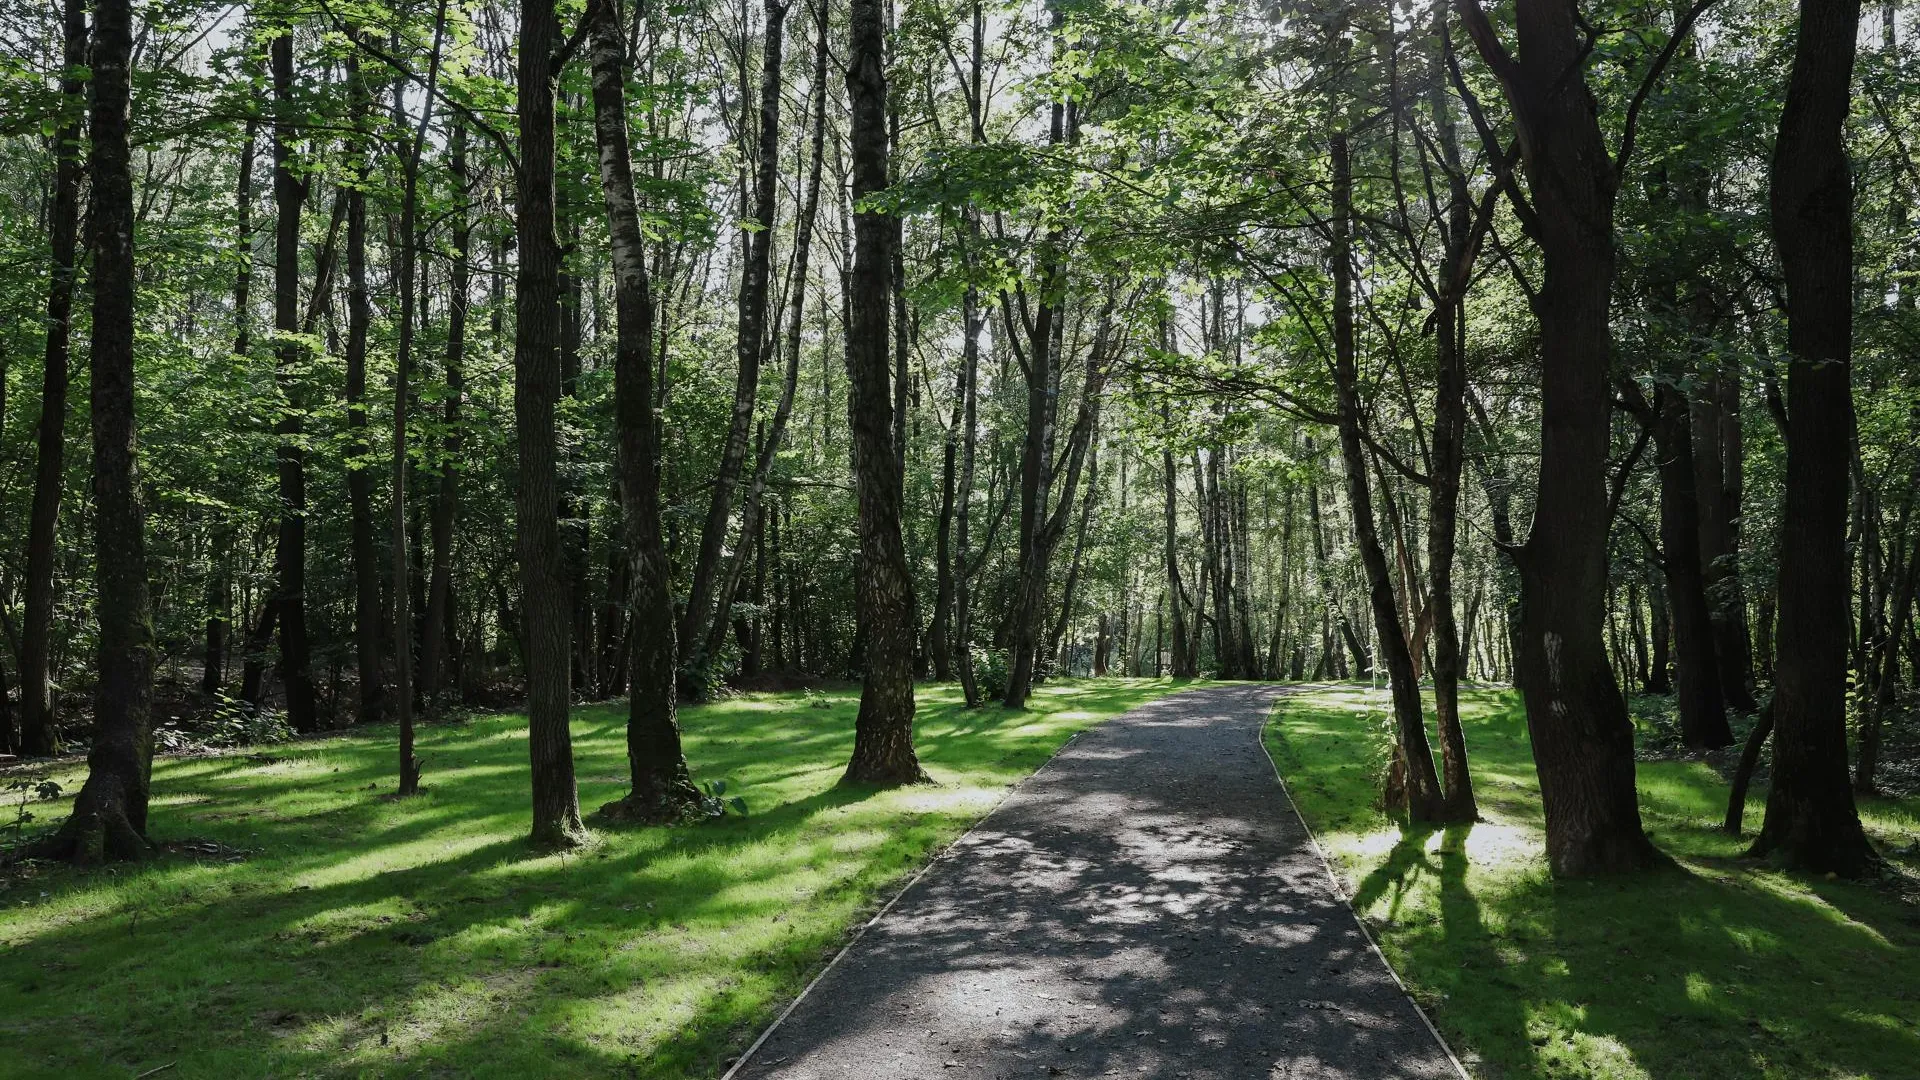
(109,819)
(1811,822)
(750,348)
(38,735)
(1582,737)
(290,551)
(1420,785)
(366,566)
(536,369)
(883,750)
(662,784)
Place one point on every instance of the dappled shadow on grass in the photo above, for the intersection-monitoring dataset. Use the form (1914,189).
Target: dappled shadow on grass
(1715,967)
(423,936)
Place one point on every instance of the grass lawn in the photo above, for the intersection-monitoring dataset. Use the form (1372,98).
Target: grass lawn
(1720,967)
(353,934)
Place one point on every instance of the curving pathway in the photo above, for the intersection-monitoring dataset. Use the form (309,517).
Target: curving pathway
(1147,905)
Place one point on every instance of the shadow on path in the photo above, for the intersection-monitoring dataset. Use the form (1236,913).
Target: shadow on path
(1147,905)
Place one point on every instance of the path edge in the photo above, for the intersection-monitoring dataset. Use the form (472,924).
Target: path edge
(746,1056)
(1260,736)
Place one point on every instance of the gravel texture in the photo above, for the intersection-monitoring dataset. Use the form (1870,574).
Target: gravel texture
(1146,905)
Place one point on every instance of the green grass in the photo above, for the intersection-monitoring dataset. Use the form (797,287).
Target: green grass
(360,935)
(1721,967)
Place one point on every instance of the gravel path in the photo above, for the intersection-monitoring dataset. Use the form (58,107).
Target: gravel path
(1147,905)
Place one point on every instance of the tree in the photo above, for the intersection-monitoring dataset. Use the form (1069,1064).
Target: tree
(109,819)
(536,384)
(1811,822)
(883,750)
(38,734)
(1582,738)
(662,784)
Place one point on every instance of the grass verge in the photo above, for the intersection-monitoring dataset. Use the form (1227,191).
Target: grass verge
(303,922)
(1721,967)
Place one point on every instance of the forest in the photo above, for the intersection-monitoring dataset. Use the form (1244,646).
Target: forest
(627,380)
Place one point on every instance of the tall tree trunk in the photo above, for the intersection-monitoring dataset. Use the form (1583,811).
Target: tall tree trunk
(1703,712)
(1448,453)
(109,819)
(219,631)
(1423,799)
(750,347)
(1719,483)
(1183,661)
(883,750)
(1582,737)
(366,566)
(446,501)
(1659,674)
(403,637)
(753,510)
(38,735)
(536,370)
(290,551)
(662,784)
(1811,821)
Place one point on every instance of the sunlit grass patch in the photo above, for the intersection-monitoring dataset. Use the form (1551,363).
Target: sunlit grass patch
(352,934)
(1718,968)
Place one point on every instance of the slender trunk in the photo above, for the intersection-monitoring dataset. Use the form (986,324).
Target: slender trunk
(366,568)
(290,552)
(536,369)
(1414,758)
(1887,664)
(1184,666)
(662,785)
(446,501)
(1811,821)
(220,584)
(109,819)
(402,633)
(883,751)
(1660,668)
(38,734)
(753,510)
(1743,773)
(750,347)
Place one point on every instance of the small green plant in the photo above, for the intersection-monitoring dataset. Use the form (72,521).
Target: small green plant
(228,724)
(816,699)
(714,794)
(990,669)
(29,790)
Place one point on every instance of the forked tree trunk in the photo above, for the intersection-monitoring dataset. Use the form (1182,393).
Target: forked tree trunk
(1582,737)
(536,383)
(662,784)
(1183,660)
(1419,784)
(750,349)
(109,819)
(38,735)
(883,751)
(753,511)
(1811,822)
